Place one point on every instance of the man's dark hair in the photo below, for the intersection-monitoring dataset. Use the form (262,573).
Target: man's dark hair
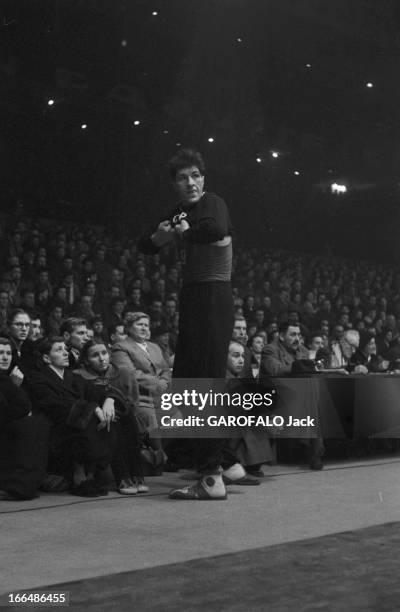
(313,334)
(70,324)
(284,326)
(96,319)
(111,329)
(184,159)
(15,312)
(44,346)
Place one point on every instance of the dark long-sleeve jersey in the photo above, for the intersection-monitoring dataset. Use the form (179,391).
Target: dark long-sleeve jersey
(207,243)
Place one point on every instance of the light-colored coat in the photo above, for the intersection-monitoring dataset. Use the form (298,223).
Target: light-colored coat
(150,368)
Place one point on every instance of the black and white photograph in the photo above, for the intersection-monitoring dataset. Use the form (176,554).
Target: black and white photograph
(200,305)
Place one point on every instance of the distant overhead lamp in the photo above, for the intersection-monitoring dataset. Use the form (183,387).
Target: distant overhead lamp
(338,188)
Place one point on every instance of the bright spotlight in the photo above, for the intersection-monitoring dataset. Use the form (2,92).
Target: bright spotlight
(338,189)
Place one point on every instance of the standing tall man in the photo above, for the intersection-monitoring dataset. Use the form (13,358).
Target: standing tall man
(202,228)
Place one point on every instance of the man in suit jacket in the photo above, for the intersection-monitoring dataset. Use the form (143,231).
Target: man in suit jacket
(277,360)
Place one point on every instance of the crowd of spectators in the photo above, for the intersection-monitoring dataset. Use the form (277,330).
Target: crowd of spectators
(80,283)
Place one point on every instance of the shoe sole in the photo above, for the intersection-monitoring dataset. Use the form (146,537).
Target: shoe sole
(198,498)
(243,482)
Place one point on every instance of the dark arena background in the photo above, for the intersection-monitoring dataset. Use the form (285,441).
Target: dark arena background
(295,106)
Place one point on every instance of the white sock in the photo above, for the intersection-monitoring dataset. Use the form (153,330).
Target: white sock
(235,472)
(214,485)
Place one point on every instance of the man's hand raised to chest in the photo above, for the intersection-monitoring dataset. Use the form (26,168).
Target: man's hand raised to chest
(163,235)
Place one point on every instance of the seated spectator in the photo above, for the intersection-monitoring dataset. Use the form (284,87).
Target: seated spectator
(23,437)
(256,345)
(161,337)
(135,302)
(239,334)
(277,358)
(43,300)
(314,342)
(337,333)
(60,298)
(54,321)
(74,333)
(4,308)
(43,282)
(173,280)
(36,331)
(122,386)
(19,324)
(81,426)
(156,314)
(28,358)
(342,353)
(171,311)
(366,354)
(116,333)
(71,289)
(249,307)
(259,318)
(253,448)
(115,313)
(144,359)
(90,289)
(393,354)
(384,342)
(84,308)
(28,301)
(99,333)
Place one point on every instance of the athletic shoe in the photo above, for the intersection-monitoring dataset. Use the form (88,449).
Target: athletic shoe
(208,488)
(140,484)
(127,487)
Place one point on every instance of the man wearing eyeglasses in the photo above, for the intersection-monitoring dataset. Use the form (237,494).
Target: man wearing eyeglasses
(19,324)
